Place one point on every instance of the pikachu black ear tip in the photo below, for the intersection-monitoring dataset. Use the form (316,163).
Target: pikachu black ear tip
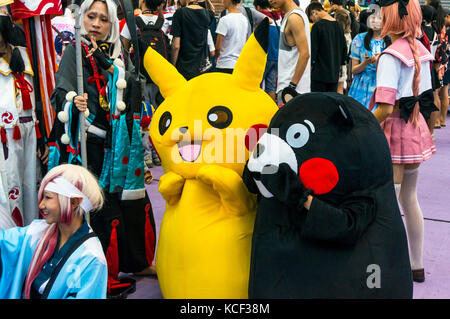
(262,34)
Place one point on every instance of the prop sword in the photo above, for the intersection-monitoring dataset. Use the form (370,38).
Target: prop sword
(80,89)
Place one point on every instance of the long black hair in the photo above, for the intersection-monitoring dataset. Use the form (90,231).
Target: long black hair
(14,36)
(369,36)
(439,19)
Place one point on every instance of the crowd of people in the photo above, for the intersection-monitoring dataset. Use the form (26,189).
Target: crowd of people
(329,46)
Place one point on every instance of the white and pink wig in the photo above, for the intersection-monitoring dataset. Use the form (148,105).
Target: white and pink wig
(409,27)
(82,179)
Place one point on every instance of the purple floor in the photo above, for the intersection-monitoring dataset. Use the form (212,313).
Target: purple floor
(435,202)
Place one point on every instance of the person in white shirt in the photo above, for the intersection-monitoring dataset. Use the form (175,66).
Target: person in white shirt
(63,32)
(232,33)
(294,63)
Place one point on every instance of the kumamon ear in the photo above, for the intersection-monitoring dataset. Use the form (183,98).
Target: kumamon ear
(343,111)
(288,94)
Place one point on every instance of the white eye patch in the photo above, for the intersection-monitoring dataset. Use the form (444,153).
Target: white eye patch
(297,135)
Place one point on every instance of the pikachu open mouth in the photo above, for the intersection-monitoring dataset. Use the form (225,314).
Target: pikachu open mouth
(189,151)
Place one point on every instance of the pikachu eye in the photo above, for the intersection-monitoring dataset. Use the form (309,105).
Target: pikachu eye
(220,117)
(164,122)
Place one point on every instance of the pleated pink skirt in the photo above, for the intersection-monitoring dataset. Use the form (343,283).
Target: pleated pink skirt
(408,144)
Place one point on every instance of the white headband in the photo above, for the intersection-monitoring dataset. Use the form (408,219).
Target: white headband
(62,186)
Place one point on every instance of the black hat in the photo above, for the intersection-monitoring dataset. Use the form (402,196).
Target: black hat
(401,6)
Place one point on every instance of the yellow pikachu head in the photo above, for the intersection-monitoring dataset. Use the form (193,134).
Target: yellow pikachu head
(214,118)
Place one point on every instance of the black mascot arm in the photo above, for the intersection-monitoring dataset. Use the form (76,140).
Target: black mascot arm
(286,186)
(344,224)
(249,181)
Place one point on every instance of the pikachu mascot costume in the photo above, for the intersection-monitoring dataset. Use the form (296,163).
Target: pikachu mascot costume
(203,132)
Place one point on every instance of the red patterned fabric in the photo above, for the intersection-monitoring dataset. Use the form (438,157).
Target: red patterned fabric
(16,133)
(17,217)
(22,9)
(149,237)
(112,257)
(25,89)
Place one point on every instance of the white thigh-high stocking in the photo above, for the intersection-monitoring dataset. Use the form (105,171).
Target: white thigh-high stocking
(413,216)
(397,188)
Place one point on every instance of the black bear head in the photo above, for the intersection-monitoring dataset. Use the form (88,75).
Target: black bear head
(332,142)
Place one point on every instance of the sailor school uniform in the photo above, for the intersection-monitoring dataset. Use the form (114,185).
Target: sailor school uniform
(78,269)
(408,143)
(18,194)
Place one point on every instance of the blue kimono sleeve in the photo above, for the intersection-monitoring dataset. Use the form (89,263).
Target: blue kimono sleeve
(93,282)
(15,257)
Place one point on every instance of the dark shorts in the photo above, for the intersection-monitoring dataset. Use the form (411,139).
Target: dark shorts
(270,76)
(446,79)
(317,86)
(223,70)
(435,82)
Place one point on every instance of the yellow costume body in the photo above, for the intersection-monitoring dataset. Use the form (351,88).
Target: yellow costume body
(199,133)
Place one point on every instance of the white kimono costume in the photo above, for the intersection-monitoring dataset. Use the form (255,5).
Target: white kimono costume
(18,194)
(83,275)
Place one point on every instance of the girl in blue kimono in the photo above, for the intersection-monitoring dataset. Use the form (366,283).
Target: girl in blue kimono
(57,257)
(365,49)
(112,106)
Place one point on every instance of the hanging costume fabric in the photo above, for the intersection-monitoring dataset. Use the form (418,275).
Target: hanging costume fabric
(114,152)
(18,194)
(82,274)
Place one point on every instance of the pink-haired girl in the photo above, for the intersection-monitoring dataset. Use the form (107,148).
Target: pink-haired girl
(58,257)
(405,99)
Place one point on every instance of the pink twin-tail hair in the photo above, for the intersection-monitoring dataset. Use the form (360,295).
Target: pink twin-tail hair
(47,244)
(409,27)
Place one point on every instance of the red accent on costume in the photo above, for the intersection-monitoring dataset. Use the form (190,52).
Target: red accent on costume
(14,193)
(3,135)
(71,150)
(25,89)
(112,256)
(97,78)
(145,121)
(114,117)
(20,9)
(319,174)
(17,217)
(138,172)
(16,133)
(45,68)
(149,237)
(38,132)
(259,130)
(7,117)
(125,160)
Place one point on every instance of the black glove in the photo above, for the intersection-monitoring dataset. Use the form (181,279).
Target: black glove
(286,186)
(101,59)
(289,92)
